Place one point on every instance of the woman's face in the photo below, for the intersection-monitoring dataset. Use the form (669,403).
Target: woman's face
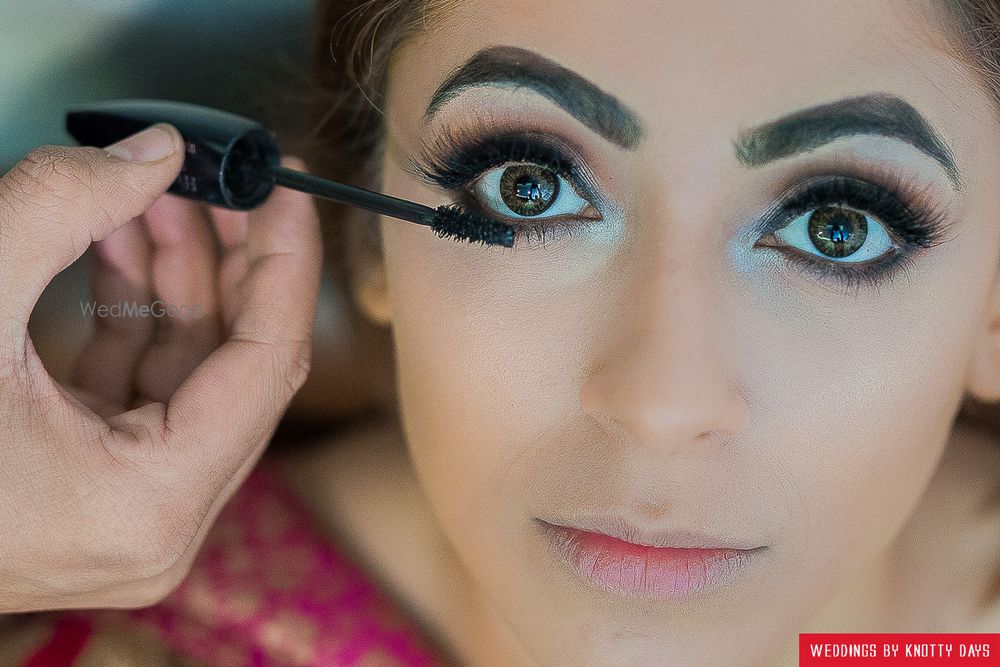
(716,339)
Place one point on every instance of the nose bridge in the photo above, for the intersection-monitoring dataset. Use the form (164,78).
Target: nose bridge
(665,383)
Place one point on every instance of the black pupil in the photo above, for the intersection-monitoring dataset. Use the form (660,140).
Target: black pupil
(528,189)
(836,231)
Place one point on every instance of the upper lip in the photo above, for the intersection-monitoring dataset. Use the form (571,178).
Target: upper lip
(628,531)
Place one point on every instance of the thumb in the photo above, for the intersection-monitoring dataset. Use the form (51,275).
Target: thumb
(59,199)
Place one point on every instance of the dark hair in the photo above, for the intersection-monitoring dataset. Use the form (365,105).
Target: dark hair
(355,41)
(975,32)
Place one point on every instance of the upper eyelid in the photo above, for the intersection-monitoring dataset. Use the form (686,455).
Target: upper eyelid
(562,168)
(433,153)
(906,188)
(927,223)
(429,167)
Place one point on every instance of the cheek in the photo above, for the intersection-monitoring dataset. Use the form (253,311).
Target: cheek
(853,400)
(848,457)
(488,351)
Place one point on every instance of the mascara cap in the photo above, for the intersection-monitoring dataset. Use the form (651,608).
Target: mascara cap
(225,155)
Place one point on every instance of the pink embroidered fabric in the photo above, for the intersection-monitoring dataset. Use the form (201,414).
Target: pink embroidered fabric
(268,589)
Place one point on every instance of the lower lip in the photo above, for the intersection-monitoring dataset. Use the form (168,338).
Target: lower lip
(635,570)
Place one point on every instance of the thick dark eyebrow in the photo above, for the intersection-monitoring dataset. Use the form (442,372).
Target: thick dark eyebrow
(513,66)
(879,113)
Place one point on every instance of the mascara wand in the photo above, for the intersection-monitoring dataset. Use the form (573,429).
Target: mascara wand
(444,220)
(234,162)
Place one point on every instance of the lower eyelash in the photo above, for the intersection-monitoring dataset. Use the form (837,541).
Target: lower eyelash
(559,228)
(543,230)
(870,277)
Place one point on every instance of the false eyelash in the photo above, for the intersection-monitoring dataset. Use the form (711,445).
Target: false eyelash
(453,161)
(908,211)
(909,214)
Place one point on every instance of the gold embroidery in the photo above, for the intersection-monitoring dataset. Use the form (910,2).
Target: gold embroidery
(23,634)
(292,570)
(377,657)
(125,644)
(272,519)
(291,636)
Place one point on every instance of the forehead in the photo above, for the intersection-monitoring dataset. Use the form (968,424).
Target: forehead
(690,68)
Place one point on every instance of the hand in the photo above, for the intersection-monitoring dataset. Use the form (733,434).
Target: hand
(108,487)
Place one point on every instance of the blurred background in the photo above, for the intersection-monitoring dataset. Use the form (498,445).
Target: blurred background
(250,57)
(240,55)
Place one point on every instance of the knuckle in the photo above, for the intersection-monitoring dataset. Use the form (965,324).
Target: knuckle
(153,566)
(40,160)
(49,178)
(149,556)
(295,359)
(168,535)
(45,181)
(285,364)
(48,171)
(156,589)
(125,454)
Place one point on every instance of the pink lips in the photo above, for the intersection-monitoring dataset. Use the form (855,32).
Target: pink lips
(640,570)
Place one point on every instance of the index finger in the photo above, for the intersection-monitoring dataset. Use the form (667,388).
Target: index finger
(239,393)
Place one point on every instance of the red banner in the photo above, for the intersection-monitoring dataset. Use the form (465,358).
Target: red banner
(928,649)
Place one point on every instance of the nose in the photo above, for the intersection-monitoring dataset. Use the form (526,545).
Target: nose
(664,383)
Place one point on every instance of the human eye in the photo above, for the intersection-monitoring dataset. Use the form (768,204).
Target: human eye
(846,230)
(528,190)
(523,179)
(853,232)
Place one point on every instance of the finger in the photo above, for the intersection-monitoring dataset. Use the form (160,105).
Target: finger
(93,401)
(230,225)
(184,267)
(121,281)
(239,393)
(231,228)
(58,199)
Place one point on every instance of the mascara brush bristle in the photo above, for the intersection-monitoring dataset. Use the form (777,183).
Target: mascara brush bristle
(468,226)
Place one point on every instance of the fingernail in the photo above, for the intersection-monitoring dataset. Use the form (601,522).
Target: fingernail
(152,144)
